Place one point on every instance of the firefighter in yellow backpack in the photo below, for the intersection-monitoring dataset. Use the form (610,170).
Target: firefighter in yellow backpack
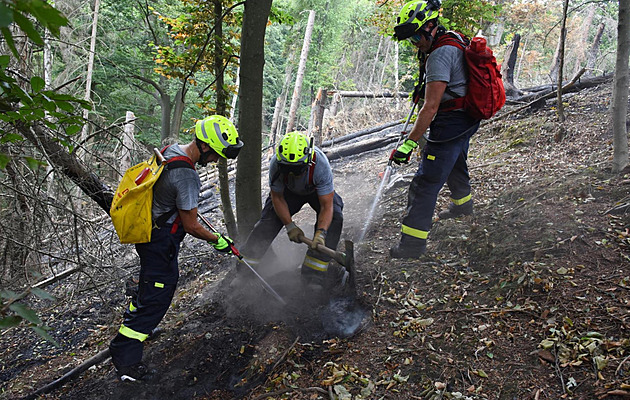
(174,212)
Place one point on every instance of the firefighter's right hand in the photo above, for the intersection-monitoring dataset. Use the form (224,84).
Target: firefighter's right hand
(294,232)
(403,152)
(223,244)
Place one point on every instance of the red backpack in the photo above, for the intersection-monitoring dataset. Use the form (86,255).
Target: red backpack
(485,95)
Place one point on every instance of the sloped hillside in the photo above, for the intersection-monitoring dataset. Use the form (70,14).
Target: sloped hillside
(526,299)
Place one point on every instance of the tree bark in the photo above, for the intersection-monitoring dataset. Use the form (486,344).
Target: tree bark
(248,173)
(507,68)
(317,112)
(295,100)
(620,90)
(81,151)
(127,141)
(221,107)
(563,36)
(594,50)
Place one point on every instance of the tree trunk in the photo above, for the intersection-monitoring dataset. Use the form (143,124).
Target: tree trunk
(221,107)
(248,173)
(620,90)
(579,52)
(176,119)
(563,36)
(127,141)
(235,97)
(317,113)
(88,82)
(295,100)
(594,50)
(378,52)
(507,68)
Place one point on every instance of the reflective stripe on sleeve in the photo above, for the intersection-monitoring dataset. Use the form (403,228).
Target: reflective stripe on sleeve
(417,233)
(314,263)
(130,333)
(459,202)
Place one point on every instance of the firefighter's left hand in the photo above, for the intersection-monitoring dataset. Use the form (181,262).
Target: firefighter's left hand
(223,244)
(319,238)
(403,153)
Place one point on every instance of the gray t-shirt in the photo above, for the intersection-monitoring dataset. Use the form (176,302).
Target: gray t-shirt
(322,178)
(447,64)
(176,188)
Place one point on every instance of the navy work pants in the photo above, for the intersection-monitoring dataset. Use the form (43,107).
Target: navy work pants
(443,161)
(159,273)
(268,226)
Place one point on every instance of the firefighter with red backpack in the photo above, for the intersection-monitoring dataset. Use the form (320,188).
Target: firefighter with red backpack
(451,113)
(174,214)
(299,174)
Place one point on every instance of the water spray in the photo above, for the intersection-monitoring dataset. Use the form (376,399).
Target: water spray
(240,257)
(386,174)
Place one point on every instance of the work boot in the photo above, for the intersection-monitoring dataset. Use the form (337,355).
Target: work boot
(135,373)
(454,211)
(313,280)
(408,248)
(336,278)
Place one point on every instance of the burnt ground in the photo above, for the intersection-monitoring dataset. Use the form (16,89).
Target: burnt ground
(526,299)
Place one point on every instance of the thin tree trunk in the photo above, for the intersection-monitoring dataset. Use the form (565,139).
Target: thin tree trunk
(580,51)
(563,36)
(507,68)
(248,173)
(127,141)
(620,90)
(282,99)
(384,64)
(235,97)
(81,151)
(378,52)
(295,100)
(594,50)
(396,80)
(221,107)
(176,119)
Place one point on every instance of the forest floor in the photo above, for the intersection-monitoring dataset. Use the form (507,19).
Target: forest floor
(529,298)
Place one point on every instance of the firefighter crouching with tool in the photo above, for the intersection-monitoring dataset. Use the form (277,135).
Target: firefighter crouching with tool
(298,174)
(445,154)
(174,212)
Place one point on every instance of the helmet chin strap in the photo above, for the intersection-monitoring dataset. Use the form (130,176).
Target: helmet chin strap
(203,155)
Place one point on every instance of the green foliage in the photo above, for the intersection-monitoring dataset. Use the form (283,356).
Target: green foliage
(18,11)
(14,313)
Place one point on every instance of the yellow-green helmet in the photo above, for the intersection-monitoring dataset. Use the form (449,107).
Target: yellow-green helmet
(294,148)
(413,15)
(220,134)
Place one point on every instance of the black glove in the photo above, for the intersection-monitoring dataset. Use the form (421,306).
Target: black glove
(403,153)
(223,244)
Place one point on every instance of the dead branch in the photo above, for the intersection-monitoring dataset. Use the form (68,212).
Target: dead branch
(75,372)
(288,390)
(545,97)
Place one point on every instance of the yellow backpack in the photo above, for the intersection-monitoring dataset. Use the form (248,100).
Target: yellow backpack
(131,207)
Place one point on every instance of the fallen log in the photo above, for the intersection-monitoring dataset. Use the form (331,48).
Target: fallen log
(354,135)
(360,93)
(357,148)
(574,86)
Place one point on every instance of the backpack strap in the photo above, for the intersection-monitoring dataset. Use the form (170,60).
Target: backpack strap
(456,39)
(173,163)
(311,168)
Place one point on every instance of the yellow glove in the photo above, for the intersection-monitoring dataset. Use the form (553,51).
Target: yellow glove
(294,232)
(319,238)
